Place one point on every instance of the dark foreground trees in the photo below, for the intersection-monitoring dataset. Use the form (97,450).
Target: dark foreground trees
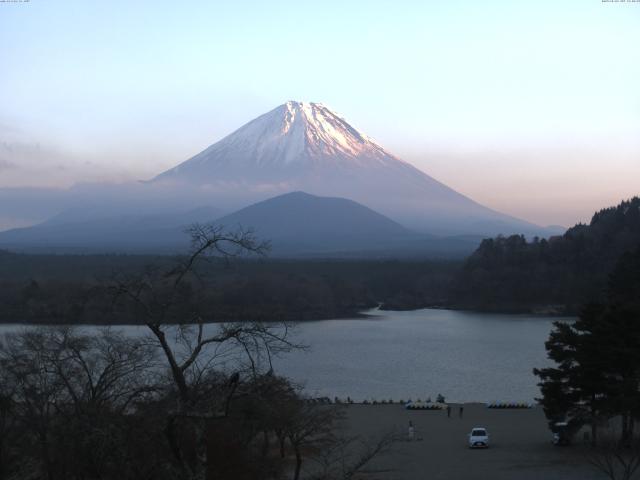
(614,459)
(597,372)
(84,406)
(66,397)
(176,398)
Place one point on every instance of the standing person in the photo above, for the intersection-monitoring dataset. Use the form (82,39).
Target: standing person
(448,411)
(461,410)
(412,431)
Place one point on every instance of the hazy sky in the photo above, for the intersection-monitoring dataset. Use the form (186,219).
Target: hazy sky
(530,107)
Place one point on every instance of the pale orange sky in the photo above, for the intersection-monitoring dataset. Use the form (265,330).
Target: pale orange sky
(531,108)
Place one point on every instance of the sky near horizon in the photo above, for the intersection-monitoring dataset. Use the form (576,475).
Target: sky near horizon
(529,107)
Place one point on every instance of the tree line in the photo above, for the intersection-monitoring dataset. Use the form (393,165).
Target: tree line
(71,288)
(555,275)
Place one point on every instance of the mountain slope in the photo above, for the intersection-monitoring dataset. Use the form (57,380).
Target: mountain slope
(300,224)
(125,233)
(297,222)
(306,147)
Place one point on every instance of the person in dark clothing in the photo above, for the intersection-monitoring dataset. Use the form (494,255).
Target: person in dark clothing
(461,410)
(448,411)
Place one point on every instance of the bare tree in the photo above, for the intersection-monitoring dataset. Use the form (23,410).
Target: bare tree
(178,325)
(168,302)
(308,426)
(104,371)
(35,391)
(9,434)
(311,430)
(66,392)
(347,458)
(615,458)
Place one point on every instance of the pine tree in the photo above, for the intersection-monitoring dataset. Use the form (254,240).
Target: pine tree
(623,347)
(577,388)
(597,372)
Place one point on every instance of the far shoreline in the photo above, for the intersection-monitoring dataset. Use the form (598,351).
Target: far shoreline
(359,315)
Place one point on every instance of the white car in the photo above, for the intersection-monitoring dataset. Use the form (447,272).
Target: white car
(479,438)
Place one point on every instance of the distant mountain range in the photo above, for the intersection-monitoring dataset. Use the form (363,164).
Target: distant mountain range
(153,233)
(296,224)
(359,198)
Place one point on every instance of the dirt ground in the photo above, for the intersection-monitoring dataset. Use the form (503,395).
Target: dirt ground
(521,447)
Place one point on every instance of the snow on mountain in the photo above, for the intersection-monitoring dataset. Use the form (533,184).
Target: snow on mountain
(291,135)
(302,146)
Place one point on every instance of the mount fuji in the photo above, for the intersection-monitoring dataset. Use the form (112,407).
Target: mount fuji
(302,146)
(299,174)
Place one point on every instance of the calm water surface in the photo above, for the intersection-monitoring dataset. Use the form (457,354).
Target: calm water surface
(466,356)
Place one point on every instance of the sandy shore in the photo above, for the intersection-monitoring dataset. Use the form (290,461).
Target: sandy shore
(520,449)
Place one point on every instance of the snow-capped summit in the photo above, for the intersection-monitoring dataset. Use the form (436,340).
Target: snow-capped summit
(313,130)
(302,146)
(294,135)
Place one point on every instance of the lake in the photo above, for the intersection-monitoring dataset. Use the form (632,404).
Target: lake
(466,356)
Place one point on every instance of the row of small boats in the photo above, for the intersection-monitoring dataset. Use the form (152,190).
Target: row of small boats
(441,406)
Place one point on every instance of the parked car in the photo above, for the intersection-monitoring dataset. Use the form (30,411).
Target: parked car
(561,435)
(479,438)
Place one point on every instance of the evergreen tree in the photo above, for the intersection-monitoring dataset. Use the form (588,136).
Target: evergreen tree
(577,388)
(560,274)
(623,320)
(597,372)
